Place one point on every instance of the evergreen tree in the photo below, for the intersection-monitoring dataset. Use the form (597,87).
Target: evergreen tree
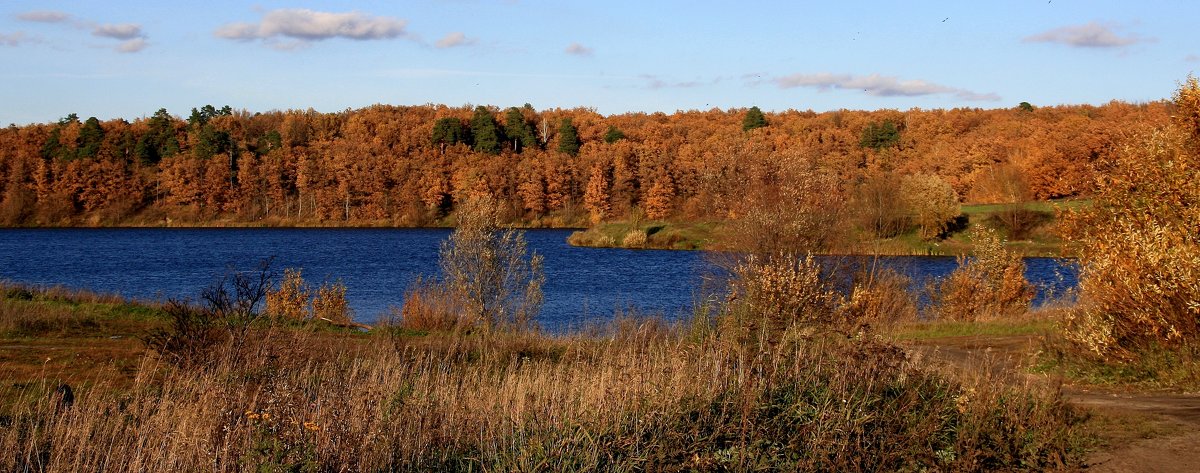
(90,138)
(487,134)
(53,147)
(568,138)
(448,132)
(754,119)
(159,142)
(613,135)
(519,131)
(879,135)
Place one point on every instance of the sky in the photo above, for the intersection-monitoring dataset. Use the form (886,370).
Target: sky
(125,59)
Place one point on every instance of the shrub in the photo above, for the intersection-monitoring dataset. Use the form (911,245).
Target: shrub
(290,300)
(989,285)
(880,297)
(774,293)
(634,239)
(1139,249)
(229,307)
(488,269)
(932,202)
(329,304)
(428,307)
(191,338)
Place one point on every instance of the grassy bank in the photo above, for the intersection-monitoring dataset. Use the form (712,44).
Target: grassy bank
(1039,238)
(626,397)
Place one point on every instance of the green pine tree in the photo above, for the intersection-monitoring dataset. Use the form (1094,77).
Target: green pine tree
(754,119)
(487,134)
(568,138)
(613,135)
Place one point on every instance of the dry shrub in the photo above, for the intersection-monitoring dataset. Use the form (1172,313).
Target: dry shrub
(878,206)
(800,212)
(290,300)
(329,304)
(592,238)
(1139,244)
(489,270)
(774,293)
(989,285)
(428,307)
(634,239)
(880,297)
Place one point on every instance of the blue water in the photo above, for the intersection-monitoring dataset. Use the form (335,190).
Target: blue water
(583,285)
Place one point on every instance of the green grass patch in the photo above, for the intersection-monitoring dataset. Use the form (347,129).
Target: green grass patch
(936,330)
(1050,206)
(1150,368)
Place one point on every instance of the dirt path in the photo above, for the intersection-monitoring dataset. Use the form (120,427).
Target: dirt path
(1150,432)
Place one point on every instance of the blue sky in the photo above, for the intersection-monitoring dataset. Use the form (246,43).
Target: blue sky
(127,59)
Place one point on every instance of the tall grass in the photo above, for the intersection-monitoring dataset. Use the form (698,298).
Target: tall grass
(632,400)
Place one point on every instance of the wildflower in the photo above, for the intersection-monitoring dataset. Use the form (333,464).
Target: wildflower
(251,415)
(311,426)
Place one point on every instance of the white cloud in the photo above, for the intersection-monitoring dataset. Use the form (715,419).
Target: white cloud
(1090,35)
(577,49)
(14,39)
(877,85)
(307,25)
(124,31)
(44,16)
(133,39)
(454,39)
(132,46)
(1192,58)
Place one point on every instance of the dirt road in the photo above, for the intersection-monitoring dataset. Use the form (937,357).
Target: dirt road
(1150,432)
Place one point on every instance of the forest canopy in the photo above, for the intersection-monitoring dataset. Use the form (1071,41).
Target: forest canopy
(411,165)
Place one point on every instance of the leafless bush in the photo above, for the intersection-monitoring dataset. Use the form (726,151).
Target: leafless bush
(488,271)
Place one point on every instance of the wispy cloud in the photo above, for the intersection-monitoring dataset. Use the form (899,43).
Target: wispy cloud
(577,49)
(654,82)
(15,39)
(1192,58)
(132,46)
(454,39)
(124,31)
(878,85)
(1090,35)
(132,38)
(302,26)
(45,16)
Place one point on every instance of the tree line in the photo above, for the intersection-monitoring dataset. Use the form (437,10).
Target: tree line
(411,165)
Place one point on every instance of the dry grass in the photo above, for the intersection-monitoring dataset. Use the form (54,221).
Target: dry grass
(636,395)
(640,399)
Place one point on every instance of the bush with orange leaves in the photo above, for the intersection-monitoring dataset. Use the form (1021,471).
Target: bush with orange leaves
(290,300)
(989,285)
(1139,244)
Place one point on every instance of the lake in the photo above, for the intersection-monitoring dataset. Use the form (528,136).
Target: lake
(583,285)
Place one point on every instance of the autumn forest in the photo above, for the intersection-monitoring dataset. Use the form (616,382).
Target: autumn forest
(410,165)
